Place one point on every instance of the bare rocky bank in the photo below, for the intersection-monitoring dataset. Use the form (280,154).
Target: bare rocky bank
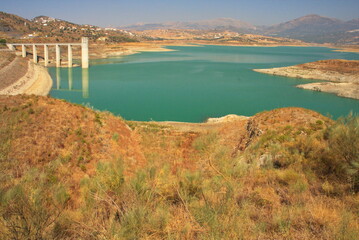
(343,76)
(21,76)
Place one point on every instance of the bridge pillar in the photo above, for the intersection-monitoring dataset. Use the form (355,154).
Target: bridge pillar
(58,56)
(23,50)
(46,55)
(70,78)
(85,83)
(34,53)
(58,78)
(69,56)
(85,52)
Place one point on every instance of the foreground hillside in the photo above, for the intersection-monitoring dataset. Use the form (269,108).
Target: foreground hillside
(69,172)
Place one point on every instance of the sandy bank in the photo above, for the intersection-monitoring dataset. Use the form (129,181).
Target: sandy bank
(36,81)
(209,125)
(353,49)
(349,90)
(342,74)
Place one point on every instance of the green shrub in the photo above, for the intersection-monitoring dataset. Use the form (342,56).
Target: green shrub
(202,143)
(190,185)
(121,39)
(29,209)
(98,119)
(342,155)
(115,136)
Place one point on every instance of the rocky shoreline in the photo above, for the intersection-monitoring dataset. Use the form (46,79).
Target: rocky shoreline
(343,76)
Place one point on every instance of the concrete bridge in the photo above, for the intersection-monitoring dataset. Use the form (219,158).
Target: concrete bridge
(83,44)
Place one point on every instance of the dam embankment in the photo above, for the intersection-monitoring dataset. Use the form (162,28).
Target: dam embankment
(21,76)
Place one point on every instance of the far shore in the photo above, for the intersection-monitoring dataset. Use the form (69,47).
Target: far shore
(98,51)
(124,49)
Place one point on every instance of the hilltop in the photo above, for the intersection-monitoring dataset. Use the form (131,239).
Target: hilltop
(13,25)
(69,172)
(44,28)
(318,29)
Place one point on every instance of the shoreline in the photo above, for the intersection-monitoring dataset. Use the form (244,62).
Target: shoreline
(127,49)
(340,77)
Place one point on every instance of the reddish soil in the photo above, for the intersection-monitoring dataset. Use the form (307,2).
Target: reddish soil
(42,130)
(334,65)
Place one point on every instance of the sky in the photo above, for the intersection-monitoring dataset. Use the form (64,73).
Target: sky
(114,13)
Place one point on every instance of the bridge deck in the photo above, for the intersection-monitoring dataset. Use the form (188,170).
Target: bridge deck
(49,44)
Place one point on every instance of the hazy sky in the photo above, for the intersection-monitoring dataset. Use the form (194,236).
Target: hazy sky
(123,12)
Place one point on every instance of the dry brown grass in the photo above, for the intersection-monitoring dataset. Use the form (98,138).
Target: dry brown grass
(176,184)
(334,65)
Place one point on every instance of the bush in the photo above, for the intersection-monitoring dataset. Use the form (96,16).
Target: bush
(118,39)
(202,143)
(30,209)
(342,155)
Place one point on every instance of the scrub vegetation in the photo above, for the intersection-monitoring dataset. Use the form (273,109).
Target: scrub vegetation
(68,172)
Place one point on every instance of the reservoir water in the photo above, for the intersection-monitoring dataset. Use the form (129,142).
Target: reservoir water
(191,84)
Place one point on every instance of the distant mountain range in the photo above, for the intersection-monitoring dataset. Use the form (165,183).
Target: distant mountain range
(310,28)
(314,28)
(214,24)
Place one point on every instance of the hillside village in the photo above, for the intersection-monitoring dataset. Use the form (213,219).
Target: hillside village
(49,29)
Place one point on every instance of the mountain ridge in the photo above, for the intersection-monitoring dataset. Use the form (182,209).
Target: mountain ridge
(209,24)
(315,28)
(311,28)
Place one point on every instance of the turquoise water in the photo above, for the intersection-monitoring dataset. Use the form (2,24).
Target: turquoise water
(194,83)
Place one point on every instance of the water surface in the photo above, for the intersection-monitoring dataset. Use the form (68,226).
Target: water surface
(194,83)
